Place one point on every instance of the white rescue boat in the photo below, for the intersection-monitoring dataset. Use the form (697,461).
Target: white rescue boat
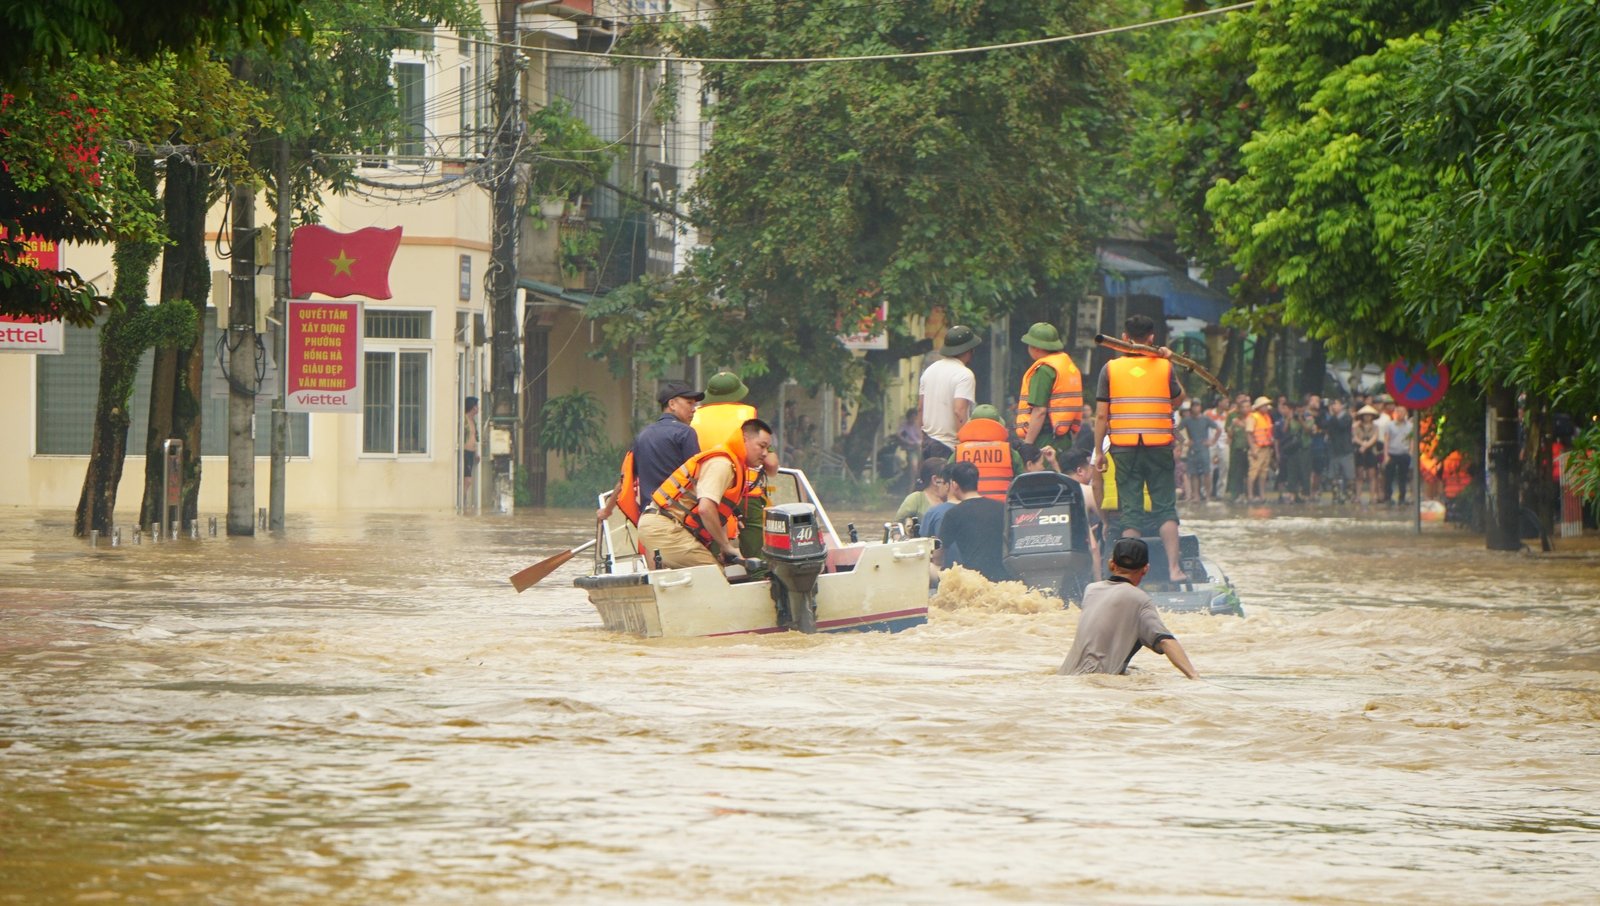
(818,582)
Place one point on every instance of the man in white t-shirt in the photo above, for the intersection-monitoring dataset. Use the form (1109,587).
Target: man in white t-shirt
(946,393)
(1397,438)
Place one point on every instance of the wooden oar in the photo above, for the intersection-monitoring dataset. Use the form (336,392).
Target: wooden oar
(534,574)
(1142,349)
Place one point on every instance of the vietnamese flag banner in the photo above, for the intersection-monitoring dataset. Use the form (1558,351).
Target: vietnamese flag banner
(341,264)
(324,360)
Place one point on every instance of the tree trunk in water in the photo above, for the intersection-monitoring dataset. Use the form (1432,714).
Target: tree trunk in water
(175,383)
(1313,369)
(1540,492)
(120,350)
(1230,372)
(860,442)
(1504,516)
(1260,363)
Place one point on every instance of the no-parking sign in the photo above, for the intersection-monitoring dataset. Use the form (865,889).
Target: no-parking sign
(1417,385)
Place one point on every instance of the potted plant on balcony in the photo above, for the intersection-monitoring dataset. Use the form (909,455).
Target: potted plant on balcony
(567,160)
(580,251)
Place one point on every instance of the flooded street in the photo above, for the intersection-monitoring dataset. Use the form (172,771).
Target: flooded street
(366,713)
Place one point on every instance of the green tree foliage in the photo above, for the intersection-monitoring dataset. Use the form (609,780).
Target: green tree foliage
(68,108)
(963,183)
(1504,270)
(1197,110)
(568,158)
(1321,213)
(47,34)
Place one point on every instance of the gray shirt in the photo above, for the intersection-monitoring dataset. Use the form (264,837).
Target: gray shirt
(1117,618)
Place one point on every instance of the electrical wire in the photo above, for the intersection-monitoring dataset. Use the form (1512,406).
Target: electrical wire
(865,58)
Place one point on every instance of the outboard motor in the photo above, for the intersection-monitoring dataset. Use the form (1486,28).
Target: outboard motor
(1047,534)
(795,555)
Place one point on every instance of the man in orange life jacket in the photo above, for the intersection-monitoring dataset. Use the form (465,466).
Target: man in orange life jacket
(1050,404)
(1134,401)
(687,516)
(719,419)
(983,442)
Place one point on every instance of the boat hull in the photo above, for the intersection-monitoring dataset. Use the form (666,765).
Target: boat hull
(885,589)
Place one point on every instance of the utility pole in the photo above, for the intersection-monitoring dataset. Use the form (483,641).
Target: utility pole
(280,295)
(503,408)
(241,340)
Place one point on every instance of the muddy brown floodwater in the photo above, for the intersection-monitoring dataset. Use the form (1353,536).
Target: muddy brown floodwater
(366,713)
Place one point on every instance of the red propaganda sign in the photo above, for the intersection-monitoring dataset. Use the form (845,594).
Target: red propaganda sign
(1417,385)
(341,264)
(872,331)
(24,334)
(38,252)
(324,359)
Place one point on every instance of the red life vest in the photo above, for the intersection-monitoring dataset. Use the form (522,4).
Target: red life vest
(1066,397)
(983,443)
(1141,402)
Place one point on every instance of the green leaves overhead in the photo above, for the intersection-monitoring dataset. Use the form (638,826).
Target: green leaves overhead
(1504,268)
(957,182)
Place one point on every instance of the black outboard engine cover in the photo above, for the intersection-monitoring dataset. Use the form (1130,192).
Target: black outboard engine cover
(795,555)
(1047,533)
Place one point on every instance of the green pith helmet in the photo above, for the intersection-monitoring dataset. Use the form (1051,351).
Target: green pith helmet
(959,339)
(1043,336)
(987,411)
(725,387)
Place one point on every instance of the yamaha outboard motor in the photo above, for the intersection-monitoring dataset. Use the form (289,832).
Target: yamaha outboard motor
(795,555)
(1047,534)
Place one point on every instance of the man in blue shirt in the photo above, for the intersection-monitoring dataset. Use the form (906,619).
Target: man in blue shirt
(663,446)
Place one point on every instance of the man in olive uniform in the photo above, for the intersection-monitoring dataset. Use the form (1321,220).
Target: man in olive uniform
(1050,404)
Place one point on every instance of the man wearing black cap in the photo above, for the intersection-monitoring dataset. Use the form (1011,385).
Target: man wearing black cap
(945,393)
(663,446)
(1118,618)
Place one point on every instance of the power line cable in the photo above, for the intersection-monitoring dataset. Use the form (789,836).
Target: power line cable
(864,58)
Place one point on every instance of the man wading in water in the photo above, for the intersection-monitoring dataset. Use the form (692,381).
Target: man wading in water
(1118,618)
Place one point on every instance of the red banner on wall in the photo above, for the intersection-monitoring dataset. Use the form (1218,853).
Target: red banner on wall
(22,334)
(324,364)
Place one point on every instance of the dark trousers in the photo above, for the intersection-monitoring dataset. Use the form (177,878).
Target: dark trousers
(1397,475)
(1238,473)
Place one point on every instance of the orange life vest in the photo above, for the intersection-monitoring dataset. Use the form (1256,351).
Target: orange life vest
(982,442)
(1141,402)
(1454,475)
(677,497)
(1066,397)
(1260,429)
(717,423)
(628,497)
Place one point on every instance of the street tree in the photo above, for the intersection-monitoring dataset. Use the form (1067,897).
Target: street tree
(1503,271)
(1321,212)
(960,184)
(60,182)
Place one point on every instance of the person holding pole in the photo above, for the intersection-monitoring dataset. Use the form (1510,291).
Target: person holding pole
(1134,402)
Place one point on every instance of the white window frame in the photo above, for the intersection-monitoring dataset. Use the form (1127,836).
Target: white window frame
(395,348)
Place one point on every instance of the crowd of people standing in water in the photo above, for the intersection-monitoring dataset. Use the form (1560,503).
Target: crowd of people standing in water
(1299,452)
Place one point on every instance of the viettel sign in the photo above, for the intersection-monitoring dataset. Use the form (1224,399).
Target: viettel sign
(24,334)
